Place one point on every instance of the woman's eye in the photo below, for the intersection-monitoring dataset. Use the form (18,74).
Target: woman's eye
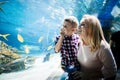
(82,24)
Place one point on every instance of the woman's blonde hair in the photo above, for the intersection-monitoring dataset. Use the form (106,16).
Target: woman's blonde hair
(95,32)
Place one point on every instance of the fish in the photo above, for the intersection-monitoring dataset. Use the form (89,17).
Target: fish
(27,49)
(20,38)
(40,39)
(50,47)
(1,3)
(4,36)
(1,9)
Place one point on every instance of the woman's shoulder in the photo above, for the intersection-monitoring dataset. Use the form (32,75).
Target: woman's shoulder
(104,49)
(104,45)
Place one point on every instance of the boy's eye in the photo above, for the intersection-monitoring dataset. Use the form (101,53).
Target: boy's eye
(65,26)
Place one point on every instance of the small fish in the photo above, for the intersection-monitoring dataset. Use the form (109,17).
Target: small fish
(1,9)
(20,38)
(51,56)
(50,47)
(4,36)
(1,3)
(27,49)
(40,39)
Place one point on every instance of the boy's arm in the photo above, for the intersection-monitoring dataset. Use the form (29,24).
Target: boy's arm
(60,40)
(59,44)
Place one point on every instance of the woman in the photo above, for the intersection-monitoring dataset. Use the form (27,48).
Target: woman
(95,56)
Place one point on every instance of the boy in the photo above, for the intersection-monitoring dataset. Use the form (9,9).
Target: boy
(67,43)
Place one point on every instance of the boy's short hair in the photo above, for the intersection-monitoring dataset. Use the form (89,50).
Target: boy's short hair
(73,20)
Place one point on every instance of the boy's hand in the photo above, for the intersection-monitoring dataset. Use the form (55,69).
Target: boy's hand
(62,32)
(77,75)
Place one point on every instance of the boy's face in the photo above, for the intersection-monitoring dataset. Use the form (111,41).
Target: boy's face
(69,27)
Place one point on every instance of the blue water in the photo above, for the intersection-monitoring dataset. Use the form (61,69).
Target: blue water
(33,19)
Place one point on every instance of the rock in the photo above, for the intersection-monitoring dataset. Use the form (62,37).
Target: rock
(9,59)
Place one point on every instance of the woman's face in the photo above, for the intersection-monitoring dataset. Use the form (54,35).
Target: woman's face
(83,28)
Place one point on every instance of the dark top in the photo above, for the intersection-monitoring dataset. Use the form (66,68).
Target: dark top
(69,51)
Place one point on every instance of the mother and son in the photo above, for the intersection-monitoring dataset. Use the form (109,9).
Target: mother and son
(85,54)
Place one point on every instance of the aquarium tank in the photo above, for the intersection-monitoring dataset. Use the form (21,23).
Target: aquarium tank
(28,30)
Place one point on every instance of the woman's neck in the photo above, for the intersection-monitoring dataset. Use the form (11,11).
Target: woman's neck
(85,42)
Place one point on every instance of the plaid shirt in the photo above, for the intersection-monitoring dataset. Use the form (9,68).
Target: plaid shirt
(69,51)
